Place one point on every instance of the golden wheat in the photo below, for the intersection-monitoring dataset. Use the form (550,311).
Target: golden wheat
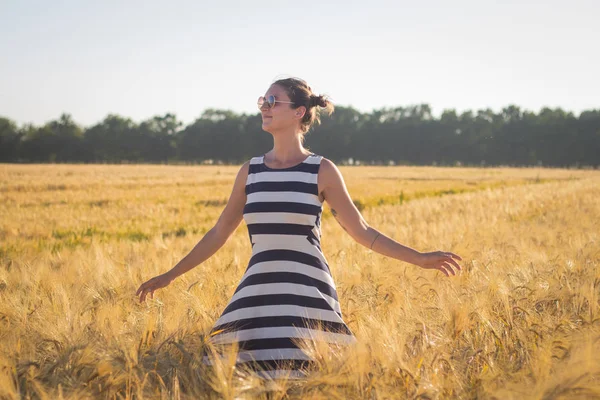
(522,320)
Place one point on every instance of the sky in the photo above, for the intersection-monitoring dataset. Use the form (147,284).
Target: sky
(139,59)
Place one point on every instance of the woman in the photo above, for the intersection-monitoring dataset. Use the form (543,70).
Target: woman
(287,293)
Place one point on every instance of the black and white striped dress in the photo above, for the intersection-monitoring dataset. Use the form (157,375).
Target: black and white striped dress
(287,291)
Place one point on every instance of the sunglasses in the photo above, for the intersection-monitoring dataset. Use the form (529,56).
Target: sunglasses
(269,101)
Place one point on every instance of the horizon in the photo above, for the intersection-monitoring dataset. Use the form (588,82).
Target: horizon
(436,115)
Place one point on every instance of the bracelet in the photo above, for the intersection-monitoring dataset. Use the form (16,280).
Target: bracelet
(375,239)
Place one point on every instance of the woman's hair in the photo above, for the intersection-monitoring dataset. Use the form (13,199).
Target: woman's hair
(301,94)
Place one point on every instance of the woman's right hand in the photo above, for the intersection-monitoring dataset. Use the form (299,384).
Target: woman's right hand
(151,285)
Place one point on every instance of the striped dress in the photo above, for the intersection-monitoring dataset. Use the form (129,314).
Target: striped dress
(287,292)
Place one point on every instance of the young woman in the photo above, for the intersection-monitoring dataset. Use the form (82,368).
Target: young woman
(287,292)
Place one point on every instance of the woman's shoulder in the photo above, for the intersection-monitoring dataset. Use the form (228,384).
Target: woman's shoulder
(327,163)
(329,170)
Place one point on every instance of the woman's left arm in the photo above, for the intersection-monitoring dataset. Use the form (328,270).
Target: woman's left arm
(349,217)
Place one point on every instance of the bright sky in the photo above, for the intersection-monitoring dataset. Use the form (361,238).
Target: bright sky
(145,58)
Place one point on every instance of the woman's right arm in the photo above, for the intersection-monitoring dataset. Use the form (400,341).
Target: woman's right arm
(211,242)
(216,237)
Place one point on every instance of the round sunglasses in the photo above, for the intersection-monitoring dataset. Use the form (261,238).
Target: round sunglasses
(269,101)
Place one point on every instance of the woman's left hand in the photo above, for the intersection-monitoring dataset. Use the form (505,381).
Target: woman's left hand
(440,260)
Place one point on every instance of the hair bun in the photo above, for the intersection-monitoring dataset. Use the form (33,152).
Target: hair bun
(318,101)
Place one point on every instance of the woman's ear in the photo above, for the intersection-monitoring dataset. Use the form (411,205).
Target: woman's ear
(300,111)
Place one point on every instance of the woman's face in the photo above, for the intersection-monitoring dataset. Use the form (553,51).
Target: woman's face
(281,116)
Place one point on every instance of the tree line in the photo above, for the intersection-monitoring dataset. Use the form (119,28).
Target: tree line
(403,135)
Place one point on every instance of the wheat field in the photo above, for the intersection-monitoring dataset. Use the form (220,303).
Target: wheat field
(520,321)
